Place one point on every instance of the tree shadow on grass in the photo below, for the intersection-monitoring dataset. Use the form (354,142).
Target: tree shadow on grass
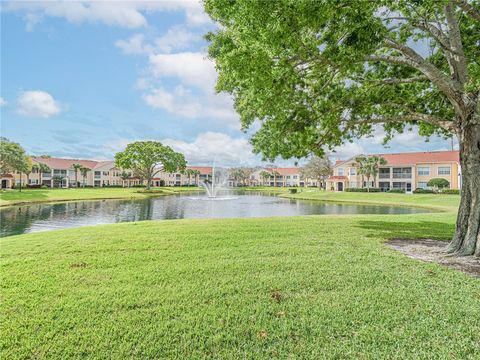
(409,230)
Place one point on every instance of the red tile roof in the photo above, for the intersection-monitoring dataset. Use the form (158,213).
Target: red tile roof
(7,176)
(65,164)
(203,169)
(411,158)
(285,171)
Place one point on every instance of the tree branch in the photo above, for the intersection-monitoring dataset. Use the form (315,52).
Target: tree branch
(449,87)
(459,61)
(469,9)
(431,119)
(403,81)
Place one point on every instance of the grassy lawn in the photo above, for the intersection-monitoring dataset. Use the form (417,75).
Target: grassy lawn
(12,197)
(299,287)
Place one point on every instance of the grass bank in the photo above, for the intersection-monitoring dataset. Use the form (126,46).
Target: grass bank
(432,201)
(318,287)
(14,197)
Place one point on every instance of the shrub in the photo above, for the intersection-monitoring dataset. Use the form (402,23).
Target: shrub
(34,186)
(397,191)
(292,191)
(439,183)
(451,191)
(423,191)
(372,189)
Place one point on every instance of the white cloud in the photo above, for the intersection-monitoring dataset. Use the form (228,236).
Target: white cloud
(135,45)
(176,38)
(181,101)
(192,68)
(3,102)
(129,14)
(37,104)
(210,146)
(348,150)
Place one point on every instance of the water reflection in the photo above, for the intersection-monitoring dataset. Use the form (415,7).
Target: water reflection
(41,217)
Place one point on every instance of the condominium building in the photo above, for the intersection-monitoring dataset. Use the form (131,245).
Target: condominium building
(100,174)
(405,171)
(280,177)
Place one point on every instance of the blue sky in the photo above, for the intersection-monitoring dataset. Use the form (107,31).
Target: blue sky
(82,79)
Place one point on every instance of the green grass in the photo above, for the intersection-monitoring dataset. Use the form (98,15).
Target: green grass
(318,287)
(12,197)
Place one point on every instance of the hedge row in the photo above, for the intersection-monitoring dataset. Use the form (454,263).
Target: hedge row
(372,189)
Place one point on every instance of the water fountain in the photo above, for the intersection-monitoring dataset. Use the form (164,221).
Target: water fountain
(218,184)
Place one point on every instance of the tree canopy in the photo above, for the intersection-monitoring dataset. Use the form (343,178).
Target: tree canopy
(313,74)
(318,73)
(147,158)
(317,168)
(12,157)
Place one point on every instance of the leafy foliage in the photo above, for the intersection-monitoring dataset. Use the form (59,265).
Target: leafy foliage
(148,158)
(315,74)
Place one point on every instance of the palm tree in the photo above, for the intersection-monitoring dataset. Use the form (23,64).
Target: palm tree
(374,162)
(76,168)
(57,179)
(275,173)
(36,169)
(42,169)
(84,171)
(360,164)
(196,173)
(189,173)
(265,175)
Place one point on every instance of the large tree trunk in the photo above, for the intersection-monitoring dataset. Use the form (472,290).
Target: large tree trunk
(466,240)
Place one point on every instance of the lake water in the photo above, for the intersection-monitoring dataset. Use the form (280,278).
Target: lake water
(48,216)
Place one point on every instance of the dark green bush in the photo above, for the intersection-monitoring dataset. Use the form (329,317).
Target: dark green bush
(372,189)
(451,191)
(423,191)
(292,191)
(397,191)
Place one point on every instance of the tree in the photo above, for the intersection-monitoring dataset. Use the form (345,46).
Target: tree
(275,174)
(196,174)
(77,168)
(316,74)
(189,173)
(148,158)
(319,169)
(12,156)
(126,176)
(361,165)
(265,175)
(24,167)
(373,163)
(438,183)
(57,180)
(43,169)
(84,172)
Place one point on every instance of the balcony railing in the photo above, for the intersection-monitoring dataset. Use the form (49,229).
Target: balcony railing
(384,176)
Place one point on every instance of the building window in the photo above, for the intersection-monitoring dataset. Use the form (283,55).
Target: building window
(444,170)
(105,173)
(402,173)
(384,173)
(422,185)
(353,184)
(423,170)
(340,172)
(353,171)
(295,176)
(384,185)
(288,176)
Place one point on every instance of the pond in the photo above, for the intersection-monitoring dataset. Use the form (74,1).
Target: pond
(50,216)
